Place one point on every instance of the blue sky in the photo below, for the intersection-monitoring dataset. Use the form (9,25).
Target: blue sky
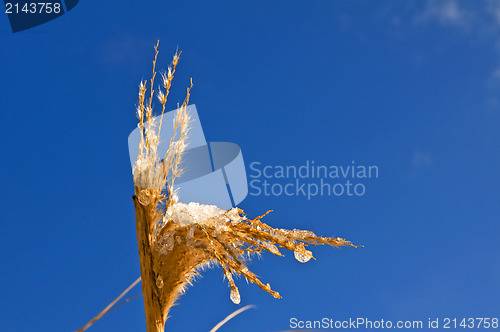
(411,87)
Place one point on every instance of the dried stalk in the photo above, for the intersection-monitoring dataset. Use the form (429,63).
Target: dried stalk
(107,310)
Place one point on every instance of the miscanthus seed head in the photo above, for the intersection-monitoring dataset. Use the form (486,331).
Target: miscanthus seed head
(182,239)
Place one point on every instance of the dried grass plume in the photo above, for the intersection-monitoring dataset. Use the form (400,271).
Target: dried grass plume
(175,239)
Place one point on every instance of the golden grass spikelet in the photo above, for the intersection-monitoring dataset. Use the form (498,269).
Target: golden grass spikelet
(175,239)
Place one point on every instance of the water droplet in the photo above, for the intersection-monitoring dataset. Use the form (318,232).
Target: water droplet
(302,257)
(272,248)
(159,282)
(215,233)
(168,244)
(191,231)
(235,295)
(144,197)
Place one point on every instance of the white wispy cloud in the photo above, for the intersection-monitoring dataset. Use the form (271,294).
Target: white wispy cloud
(448,13)
(496,73)
(493,7)
(478,19)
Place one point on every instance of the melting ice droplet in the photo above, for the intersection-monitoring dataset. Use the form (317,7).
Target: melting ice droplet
(235,295)
(159,282)
(302,257)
